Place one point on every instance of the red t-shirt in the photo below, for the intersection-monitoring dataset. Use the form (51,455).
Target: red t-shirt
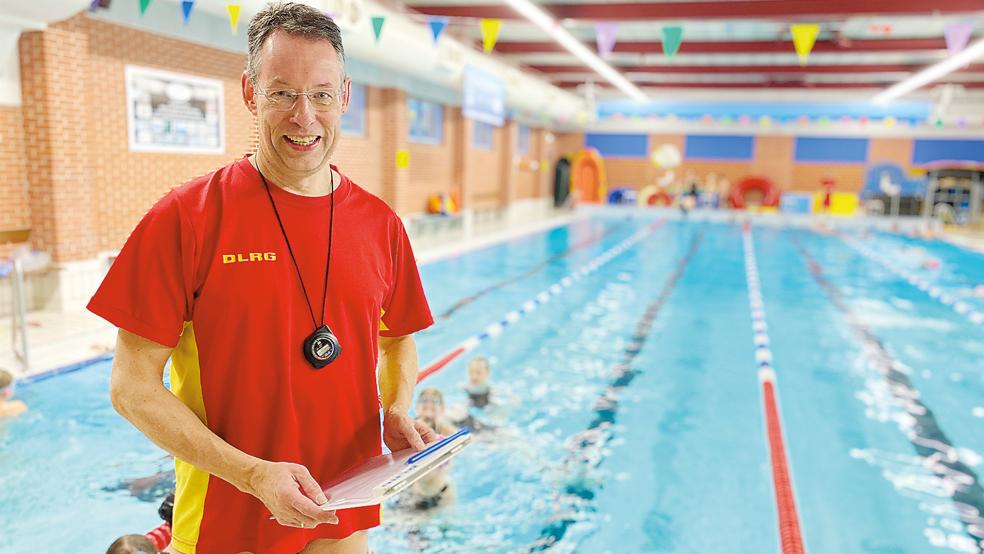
(207,271)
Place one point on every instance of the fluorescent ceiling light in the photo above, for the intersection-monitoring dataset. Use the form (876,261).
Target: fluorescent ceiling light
(931,73)
(558,33)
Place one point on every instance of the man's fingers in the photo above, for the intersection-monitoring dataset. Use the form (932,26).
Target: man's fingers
(310,487)
(413,437)
(427,434)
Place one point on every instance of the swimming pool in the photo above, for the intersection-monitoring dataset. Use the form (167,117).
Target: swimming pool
(630,357)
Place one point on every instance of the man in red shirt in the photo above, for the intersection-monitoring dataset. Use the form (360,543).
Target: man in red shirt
(274,285)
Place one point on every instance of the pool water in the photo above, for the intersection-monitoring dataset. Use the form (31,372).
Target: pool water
(628,412)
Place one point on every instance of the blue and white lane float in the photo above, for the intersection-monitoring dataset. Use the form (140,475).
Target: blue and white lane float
(790,535)
(935,292)
(542,298)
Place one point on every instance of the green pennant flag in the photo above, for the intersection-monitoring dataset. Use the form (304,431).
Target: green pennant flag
(377,26)
(143,6)
(672,37)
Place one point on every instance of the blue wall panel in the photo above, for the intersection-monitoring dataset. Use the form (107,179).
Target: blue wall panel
(837,150)
(719,147)
(618,146)
(931,150)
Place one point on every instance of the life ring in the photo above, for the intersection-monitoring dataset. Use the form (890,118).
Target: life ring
(769,191)
(654,196)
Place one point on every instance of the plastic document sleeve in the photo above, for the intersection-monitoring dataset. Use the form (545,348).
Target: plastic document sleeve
(381,477)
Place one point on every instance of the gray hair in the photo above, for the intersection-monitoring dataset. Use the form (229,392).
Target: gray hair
(294,19)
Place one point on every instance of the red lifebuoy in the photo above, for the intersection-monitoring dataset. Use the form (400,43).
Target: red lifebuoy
(769,191)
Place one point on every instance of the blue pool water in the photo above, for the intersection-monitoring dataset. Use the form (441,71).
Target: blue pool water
(629,415)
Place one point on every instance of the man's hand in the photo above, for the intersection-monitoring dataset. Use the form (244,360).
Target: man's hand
(400,431)
(291,494)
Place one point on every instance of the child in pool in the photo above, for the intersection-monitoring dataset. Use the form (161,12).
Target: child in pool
(436,489)
(8,407)
(477,387)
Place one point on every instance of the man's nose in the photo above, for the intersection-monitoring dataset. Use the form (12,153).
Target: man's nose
(302,112)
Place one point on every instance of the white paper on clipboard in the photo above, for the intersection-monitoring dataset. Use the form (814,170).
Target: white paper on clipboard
(380,477)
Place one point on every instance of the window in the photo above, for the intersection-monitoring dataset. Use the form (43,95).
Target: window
(523,141)
(482,135)
(354,119)
(426,121)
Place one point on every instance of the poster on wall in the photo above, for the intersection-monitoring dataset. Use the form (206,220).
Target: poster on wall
(484,96)
(171,112)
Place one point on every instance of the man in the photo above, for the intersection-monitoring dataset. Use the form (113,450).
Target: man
(273,284)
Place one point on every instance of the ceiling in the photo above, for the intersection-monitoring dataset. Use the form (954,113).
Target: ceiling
(731,47)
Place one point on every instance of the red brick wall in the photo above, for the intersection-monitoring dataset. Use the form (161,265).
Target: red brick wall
(359,156)
(13,170)
(432,167)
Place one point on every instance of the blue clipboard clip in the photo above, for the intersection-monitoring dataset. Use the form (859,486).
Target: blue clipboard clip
(437,445)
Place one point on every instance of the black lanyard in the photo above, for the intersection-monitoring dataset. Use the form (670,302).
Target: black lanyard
(331,222)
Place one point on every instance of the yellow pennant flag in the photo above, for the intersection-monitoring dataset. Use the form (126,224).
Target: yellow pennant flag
(490,33)
(233,17)
(804,37)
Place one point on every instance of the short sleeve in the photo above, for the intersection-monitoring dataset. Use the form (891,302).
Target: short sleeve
(149,290)
(405,308)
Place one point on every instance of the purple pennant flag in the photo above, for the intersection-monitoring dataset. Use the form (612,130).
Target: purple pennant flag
(957,35)
(605,32)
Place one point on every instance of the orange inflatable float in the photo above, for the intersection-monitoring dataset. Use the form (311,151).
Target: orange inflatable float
(588,176)
(770,194)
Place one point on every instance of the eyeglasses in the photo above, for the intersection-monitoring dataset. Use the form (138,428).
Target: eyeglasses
(322,100)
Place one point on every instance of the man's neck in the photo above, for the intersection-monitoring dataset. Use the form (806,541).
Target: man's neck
(320,183)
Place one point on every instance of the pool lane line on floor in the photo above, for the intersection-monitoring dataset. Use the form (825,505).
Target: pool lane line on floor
(790,532)
(926,437)
(543,297)
(587,447)
(935,292)
(539,267)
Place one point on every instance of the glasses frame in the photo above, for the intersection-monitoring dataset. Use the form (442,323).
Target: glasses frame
(337,98)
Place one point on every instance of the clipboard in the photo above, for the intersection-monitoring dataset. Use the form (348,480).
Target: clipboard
(380,477)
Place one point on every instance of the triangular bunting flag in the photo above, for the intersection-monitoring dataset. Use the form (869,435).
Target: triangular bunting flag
(957,35)
(186,6)
(377,26)
(490,33)
(143,6)
(672,37)
(605,36)
(804,37)
(233,10)
(93,5)
(437,25)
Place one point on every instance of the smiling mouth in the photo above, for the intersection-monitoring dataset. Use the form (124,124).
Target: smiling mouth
(303,140)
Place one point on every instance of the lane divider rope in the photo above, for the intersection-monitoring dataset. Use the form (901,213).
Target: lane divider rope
(540,299)
(790,534)
(921,283)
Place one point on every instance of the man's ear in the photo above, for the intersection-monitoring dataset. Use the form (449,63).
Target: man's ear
(346,94)
(249,94)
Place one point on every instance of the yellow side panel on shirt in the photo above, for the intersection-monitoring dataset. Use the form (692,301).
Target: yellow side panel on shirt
(192,483)
(382,324)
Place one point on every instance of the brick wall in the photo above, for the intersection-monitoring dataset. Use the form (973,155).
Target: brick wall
(432,168)
(13,170)
(360,157)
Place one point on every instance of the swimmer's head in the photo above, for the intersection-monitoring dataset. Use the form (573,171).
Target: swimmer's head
(132,544)
(6,384)
(478,371)
(430,404)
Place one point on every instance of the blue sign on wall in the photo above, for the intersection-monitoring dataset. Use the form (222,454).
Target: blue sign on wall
(618,145)
(484,96)
(719,147)
(838,150)
(932,150)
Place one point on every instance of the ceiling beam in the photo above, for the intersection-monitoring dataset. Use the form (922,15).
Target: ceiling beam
(740,9)
(736,47)
(779,84)
(752,69)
